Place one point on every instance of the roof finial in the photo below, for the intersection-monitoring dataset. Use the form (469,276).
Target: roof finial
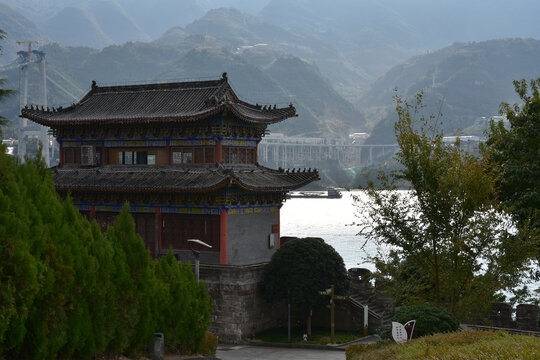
(94,84)
(224,76)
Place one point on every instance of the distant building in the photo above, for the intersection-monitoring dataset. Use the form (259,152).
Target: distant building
(359,138)
(469,143)
(484,121)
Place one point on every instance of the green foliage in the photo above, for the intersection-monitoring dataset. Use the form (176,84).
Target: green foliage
(444,242)
(354,351)
(459,345)
(513,155)
(21,273)
(209,344)
(429,319)
(135,283)
(185,308)
(301,268)
(445,75)
(67,291)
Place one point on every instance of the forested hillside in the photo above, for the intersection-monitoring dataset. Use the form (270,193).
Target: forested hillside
(280,79)
(464,81)
(337,62)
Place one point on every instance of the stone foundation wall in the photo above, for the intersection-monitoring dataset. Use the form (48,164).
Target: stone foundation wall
(526,316)
(500,315)
(239,309)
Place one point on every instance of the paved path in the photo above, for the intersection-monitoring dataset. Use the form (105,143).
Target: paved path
(248,352)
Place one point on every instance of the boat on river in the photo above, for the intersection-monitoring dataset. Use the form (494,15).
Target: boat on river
(330,193)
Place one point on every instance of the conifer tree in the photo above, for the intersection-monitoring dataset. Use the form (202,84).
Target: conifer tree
(185,306)
(134,282)
(66,291)
(20,272)
(103,295)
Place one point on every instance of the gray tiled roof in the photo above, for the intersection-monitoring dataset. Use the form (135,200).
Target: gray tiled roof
(165,102)
(129,178)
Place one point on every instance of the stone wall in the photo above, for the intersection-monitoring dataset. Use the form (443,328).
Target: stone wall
(500,316)
(239,309)
(527,317)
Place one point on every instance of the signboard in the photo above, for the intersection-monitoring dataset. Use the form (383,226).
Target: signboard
(237,142)
(134,143)
(402,333)
(191,142)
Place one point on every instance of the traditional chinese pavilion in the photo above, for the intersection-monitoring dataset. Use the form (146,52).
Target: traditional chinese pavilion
(184,155)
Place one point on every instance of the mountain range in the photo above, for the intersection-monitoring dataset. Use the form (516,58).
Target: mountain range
(464,82)
(337,61)
(280,79)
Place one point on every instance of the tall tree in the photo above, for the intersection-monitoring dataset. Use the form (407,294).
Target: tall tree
(135,283)
(514,155)
(185,305)
(443,242)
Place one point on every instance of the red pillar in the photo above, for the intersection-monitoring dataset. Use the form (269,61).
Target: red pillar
(278,228)
(61,153)
(223,237)
(159,229)
(93,211)
(219,151)
(257,153)
(169,155)
(103,157)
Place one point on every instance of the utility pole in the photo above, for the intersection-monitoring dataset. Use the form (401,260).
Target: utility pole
(330,292)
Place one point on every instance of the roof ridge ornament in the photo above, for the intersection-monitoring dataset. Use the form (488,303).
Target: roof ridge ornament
(94,84)
(224,76)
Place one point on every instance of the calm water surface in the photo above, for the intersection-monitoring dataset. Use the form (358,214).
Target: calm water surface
(329,219)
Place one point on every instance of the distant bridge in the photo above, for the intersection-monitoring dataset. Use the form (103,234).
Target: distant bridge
(281,151)
(286,152)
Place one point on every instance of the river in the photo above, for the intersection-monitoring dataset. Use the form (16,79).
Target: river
(331,220)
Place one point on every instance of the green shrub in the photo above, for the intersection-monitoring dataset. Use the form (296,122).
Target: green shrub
(209,344)
(186,307)
(429,319)
(68,291)
(384,331)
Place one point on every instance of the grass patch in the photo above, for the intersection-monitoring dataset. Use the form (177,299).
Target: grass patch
(319,336)
(459,345)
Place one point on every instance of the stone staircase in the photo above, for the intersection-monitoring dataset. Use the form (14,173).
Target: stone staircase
(380,307)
